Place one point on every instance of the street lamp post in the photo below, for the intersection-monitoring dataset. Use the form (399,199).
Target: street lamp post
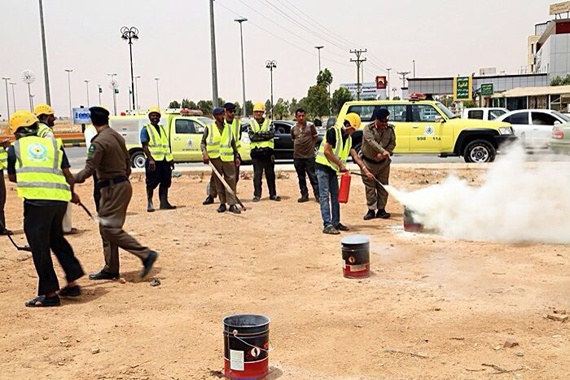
(7,96)
(99,90)
(241,20)
(28,77)
(114,85)
(214,62)
(319,50)
(130,34)
(270,64)
(388,82)
(157,94)
(13,84)
(137,105)
(69,71)
(44,51)
(87,87)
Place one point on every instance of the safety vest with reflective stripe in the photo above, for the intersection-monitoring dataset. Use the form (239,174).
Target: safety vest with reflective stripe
(235,127)
(38,169)
(256,129)
(341,150)
(158,144)
(220,145)
(3,158)
(44,130)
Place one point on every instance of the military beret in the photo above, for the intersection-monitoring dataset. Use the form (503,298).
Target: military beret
(381,113)
(218,111)
(229,106)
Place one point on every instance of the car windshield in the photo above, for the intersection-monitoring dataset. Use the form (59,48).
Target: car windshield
(562,116)
(446,111)
(205,120)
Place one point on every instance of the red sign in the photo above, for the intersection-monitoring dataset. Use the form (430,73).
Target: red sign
(380,82)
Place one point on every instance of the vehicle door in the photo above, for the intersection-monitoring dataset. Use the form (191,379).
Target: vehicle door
(521,125)
(427,130)
(185,139)
(283,141)
(541,128)
(398,115)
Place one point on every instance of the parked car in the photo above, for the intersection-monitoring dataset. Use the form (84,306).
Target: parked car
(534,126)
(483,113)
(283,141)
(560,139)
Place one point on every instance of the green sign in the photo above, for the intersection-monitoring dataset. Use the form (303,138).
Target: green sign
(463,88)
(487,89)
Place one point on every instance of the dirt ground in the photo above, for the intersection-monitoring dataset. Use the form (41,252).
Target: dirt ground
(432,308)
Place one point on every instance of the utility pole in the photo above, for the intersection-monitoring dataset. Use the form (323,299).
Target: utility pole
(13,84)
(414,68)
(319,50)
(242,20)
(7,97)
(214,64)
(388,83)
(44,51)
(99,90)
(87,87)
(403,77)
(358,62)
(69,71)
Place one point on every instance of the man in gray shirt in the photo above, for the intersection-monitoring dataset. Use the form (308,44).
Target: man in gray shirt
(304,138)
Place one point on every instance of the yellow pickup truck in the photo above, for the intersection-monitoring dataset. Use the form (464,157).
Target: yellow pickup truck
(184,129)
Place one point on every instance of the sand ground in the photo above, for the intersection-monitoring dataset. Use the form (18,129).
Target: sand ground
(432,308)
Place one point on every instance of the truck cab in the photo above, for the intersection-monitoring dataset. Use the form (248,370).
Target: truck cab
(184,129)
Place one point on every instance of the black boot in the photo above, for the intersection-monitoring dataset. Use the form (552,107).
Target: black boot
(163,195)
(149,193)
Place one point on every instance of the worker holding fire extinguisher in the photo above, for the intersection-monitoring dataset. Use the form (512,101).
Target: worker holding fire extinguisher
(330,161)
(378,143)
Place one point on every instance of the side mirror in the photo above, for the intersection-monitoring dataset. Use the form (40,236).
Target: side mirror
(200,129)
(557,122)
(439,119)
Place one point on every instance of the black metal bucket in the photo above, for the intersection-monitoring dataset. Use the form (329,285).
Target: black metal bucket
(356,256)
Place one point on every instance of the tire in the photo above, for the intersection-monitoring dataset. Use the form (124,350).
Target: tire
(479,151)
(138,159)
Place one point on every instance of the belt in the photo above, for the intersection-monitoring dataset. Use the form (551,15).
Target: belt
(370,160)
(112,181)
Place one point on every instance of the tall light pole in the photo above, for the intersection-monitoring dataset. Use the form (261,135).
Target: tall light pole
(319,50)
(241,20)
(99,90)
(388,82)
(69,71)
(214,64)
(28,77)
(13,84)
(157,93)
(114,85)
(87,87)
(44,51)
(7,96)
(270,64)
(137,105)
(130,34)
(414,68)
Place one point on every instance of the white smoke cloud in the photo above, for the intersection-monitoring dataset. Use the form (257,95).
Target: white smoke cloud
(517,202)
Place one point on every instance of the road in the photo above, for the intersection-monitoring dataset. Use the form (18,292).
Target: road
(77,157)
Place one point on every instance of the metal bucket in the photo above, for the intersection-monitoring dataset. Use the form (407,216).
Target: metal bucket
(356,256)
(410,224)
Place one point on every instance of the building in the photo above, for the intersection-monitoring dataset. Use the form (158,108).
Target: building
(552,47)
(368,92)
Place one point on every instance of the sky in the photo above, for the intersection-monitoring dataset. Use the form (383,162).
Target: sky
(442,37)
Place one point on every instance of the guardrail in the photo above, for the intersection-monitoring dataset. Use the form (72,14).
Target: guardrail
(69,139)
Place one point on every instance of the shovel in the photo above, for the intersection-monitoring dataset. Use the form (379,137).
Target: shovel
(228,187)
(19,248)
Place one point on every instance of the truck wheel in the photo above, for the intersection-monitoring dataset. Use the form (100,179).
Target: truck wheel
(479,151)
(138,159)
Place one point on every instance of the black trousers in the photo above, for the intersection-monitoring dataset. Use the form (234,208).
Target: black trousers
(42,226)
(263,163)
(2,200)
(161,175)
(306,166)
(96,191)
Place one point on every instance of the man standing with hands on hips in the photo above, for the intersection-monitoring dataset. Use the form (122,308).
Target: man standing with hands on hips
(378,143)
(304,138)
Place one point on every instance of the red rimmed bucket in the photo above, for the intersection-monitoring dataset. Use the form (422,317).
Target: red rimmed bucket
(356,256)
(410,223)
(246,346)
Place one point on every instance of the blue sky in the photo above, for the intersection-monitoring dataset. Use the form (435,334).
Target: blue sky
(444,38)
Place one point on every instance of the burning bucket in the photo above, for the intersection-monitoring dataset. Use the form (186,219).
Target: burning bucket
(410,224)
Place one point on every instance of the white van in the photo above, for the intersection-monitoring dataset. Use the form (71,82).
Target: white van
(484,113)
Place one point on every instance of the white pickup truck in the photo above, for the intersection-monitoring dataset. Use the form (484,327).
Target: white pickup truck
(484,113)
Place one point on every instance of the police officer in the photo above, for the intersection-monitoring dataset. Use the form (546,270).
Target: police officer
(262,135)
(159,161)
(331,159)
(40,168)
(235,126)
(4,144)
(378,143)
(108,157)
(219,147)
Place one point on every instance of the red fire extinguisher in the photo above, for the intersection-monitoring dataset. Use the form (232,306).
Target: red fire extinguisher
(344,188)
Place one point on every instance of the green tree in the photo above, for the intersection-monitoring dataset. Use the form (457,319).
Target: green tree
(185,103)
(281,109)
(469,104)
(339,97)
(293,105)
(248,108)
(206,106)
(238,108)
(174,104)
(558,81)
(318,100)
(268,108)
(325,78)
(192,105)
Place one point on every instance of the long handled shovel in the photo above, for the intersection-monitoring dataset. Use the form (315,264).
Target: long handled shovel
(19,248)
(228,188)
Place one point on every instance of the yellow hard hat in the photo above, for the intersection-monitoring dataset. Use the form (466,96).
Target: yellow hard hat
(20,119)
(354,120)
(153,109)
(259,107)
(43,109)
